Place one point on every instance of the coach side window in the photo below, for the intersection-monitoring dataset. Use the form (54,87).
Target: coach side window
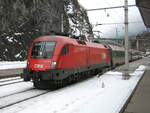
(65,50)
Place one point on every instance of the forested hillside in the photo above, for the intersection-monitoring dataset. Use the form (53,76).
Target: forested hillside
(23,20)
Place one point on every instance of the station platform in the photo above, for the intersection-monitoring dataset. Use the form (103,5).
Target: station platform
(10,72)
(140,101)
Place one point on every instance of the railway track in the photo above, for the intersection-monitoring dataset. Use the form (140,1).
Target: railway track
(16,93)
(10,81)
(18,97)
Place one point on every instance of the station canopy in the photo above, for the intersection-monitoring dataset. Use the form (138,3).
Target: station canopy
(144,7)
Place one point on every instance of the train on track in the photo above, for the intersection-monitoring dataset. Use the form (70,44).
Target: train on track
(56,60)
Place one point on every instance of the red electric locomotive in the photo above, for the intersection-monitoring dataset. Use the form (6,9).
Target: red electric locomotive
(59,59)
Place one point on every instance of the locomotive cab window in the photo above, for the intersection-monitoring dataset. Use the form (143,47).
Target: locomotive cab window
(43,49)
(65,50)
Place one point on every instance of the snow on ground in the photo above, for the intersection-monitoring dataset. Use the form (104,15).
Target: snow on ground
(10,82)
(12,65)
(105,94)
(13,88)
(8,79)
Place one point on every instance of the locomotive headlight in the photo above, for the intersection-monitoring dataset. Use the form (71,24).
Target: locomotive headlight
(53,64)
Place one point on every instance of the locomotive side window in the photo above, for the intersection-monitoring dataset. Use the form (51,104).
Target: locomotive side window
(43,49)
(65,50)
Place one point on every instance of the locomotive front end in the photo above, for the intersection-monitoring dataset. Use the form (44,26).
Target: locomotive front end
(42,61)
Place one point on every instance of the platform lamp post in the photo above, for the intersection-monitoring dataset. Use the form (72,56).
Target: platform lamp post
(126,72)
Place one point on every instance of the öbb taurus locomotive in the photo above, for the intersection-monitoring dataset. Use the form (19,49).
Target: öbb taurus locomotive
(54,60)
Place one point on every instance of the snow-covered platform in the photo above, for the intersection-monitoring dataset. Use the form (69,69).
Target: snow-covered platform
(140,101)
(10,69)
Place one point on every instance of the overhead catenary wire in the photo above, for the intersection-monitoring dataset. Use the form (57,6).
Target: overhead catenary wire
(114,10)
(121,24)
(106,8)
(120,17)
(110,8)
(136,22)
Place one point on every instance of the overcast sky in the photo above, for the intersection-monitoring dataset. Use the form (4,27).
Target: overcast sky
(136,25)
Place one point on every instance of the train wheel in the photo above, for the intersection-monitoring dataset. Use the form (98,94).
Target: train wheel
(75,77)
(86,74)
(39,85)
(68,80)
(82,75)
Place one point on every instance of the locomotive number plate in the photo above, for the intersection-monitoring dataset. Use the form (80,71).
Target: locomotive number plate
(38,66)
